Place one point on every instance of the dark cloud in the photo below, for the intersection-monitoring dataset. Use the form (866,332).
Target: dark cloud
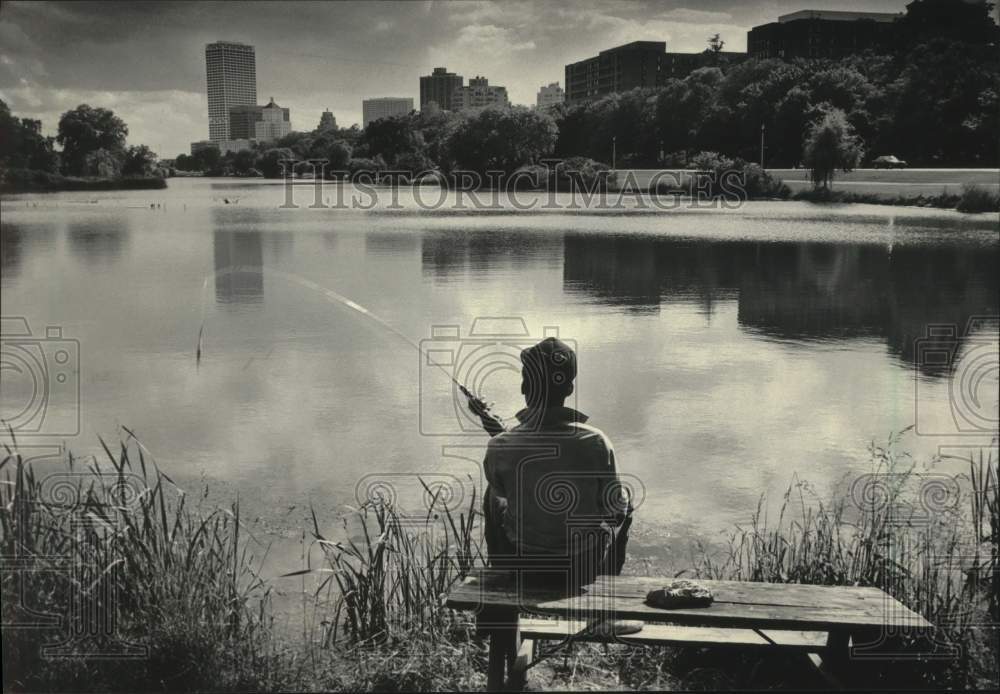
(148,57)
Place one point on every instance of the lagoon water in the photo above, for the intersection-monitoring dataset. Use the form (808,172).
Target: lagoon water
(725,352)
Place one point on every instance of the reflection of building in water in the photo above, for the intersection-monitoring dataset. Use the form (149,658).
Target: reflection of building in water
(617,270)
(446,254)
(238,262)
(97,240)
(11,243)
(391,243)
(795,290)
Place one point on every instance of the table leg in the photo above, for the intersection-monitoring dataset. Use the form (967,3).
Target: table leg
(837,655)
(505,641)
(519,670)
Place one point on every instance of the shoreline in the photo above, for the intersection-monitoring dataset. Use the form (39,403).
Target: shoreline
(16,181)
(984,200)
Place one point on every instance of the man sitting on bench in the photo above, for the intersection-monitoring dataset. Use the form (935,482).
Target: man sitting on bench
(555,509)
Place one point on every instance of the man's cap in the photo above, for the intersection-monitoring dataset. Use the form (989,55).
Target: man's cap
(551,360)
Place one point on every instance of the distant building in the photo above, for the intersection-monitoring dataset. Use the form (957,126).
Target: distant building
(327,121)
(275,122)
(242,121)
(823,34)
(254,122)
(231,70)
(619,69)
(224,146)
(384,107)
(238,145)
(549,96)
(439,88)
(202,145)
(479,93)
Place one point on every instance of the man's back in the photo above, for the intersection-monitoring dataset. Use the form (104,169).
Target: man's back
(557,475)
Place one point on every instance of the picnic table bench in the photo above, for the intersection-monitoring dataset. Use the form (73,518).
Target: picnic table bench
(822,622)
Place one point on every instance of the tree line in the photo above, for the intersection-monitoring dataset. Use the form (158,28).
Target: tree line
(936,104)
(93,142)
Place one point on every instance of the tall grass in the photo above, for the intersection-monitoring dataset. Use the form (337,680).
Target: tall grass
(928,542)
(188,587)
(397,573)
(170,592)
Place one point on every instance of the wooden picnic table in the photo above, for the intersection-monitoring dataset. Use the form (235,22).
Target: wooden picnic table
(820,620)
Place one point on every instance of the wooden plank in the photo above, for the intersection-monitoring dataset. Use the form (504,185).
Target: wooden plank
(746,591)
(661,634)
(832,681)
(747,608)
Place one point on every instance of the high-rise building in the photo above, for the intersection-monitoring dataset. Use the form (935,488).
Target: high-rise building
(823,34)
(478,94)
(231,70)
(439,88)
(636,64)
(242,121)
(259,122)
(549,95)
(275,122)
(384,107)
(327,121)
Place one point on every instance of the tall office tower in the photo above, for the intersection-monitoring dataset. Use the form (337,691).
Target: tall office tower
(232,81)
(439,87)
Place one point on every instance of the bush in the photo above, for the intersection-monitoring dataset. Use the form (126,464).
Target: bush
(977,199)
(758,184)
(724,176)
(582,172)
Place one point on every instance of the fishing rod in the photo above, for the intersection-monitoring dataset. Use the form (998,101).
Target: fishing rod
(492,423)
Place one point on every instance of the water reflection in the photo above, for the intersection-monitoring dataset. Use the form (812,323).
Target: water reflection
(795,291)
(450,253)
(391,243)
(98,240)
(17,242)
(239,257)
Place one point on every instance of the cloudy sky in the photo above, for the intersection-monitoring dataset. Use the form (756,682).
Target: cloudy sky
(146,60)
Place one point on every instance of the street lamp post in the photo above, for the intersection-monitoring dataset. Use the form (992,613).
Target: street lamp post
(614,151)
(762,146)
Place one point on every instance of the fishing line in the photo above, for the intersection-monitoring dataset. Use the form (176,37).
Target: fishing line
(332,296)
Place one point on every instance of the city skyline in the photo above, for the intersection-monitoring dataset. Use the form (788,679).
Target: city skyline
(146,61)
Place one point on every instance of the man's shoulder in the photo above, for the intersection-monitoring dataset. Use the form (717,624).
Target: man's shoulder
(523,433)
(589,431)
